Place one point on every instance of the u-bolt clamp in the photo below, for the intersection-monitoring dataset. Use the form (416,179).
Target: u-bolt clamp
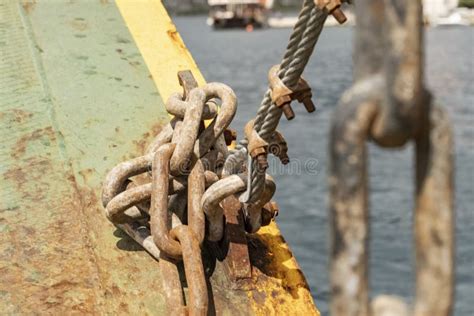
(333,7)
(283,95)
(257,147)
(279,147)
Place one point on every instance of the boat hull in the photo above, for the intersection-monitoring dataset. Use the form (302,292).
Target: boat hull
(83,85)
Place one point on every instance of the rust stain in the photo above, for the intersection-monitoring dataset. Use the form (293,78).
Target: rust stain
(42,239)
(86,174)
(28,6)
(17,175)
(79,24)
(145,140)
(36,168)
(175,37)
(20,146)
(21,116)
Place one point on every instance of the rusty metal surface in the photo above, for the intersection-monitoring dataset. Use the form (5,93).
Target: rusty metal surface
(233,248)
(389,105)
(283,95)
(211,203)
(65,69)
(333,7)
(168,208)
(160,217)
(64,131)
(195,278)
(434,217)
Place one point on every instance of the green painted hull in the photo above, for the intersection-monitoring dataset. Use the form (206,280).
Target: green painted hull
(76,98)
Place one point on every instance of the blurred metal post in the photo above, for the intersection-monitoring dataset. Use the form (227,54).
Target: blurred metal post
(389,105)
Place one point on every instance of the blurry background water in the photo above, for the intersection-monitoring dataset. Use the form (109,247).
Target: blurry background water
(242,60)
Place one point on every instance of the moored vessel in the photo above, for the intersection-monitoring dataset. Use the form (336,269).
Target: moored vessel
(238,13)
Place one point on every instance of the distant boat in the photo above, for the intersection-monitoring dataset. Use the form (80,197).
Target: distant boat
(239,13)
(455,19)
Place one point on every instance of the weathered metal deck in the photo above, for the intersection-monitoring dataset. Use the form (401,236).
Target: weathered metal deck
(82,86)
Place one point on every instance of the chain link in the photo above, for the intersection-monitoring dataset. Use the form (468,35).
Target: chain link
(389,105)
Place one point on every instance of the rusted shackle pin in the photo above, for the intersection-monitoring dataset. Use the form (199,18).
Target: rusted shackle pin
(333,7)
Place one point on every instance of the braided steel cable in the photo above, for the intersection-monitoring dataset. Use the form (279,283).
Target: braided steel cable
(290,78)
(296,67)
(299,49)
(291,48)
(238,156)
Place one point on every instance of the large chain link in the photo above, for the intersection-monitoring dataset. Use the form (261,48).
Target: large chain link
(389,105)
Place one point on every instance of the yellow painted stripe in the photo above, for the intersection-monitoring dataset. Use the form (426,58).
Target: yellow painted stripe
(153,31)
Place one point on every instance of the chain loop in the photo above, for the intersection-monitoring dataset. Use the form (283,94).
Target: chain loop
(160,219)
(193,269)
(389,105)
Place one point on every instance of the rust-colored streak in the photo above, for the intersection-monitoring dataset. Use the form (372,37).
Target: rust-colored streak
(175,37)
(28,6)
(20,116)
(79,24)
(147,137)
(41,241)
(18,176)
(46,135)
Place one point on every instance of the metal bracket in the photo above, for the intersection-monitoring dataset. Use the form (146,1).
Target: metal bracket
(234,247)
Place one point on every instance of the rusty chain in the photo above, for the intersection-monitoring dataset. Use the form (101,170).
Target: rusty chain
(169,199)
